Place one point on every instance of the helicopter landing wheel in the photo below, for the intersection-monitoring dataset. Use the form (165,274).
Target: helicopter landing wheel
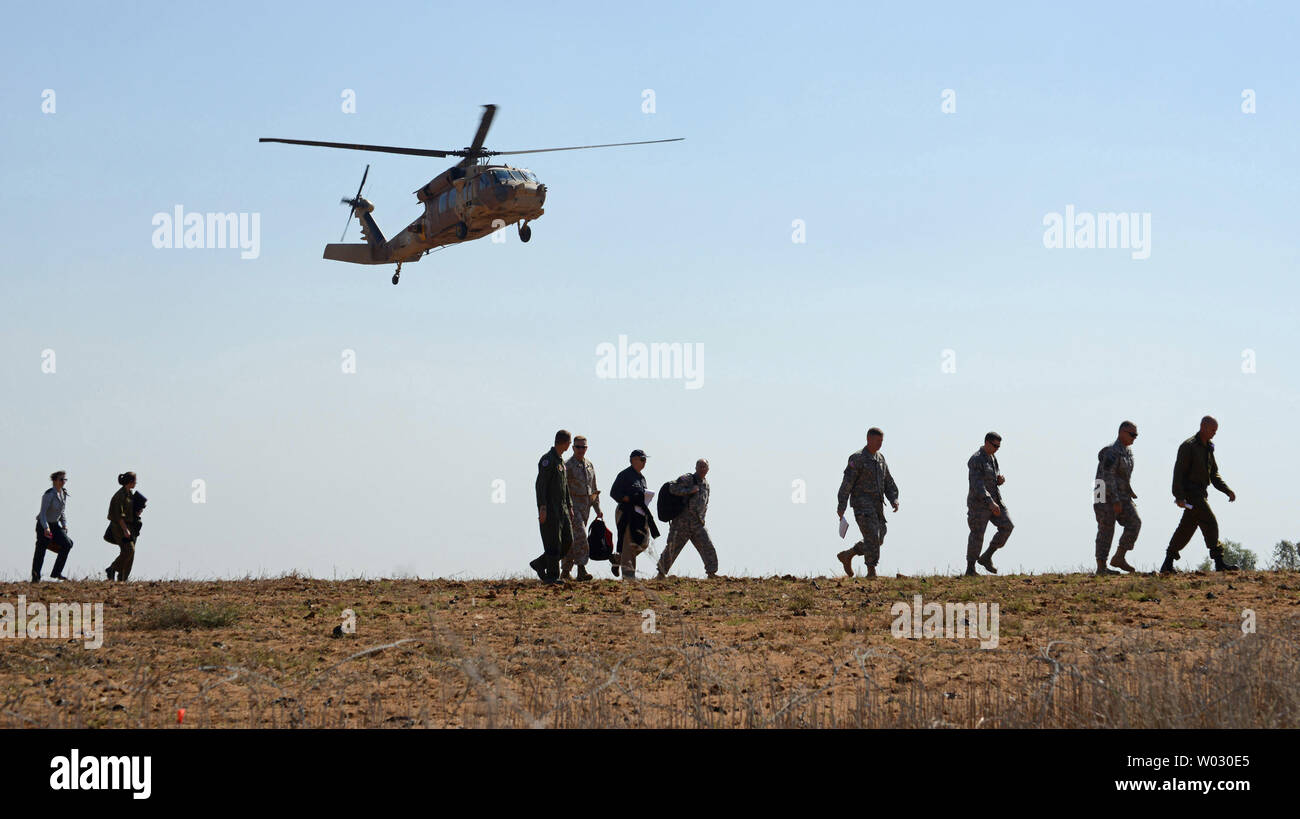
(462,230)
(398,274)
(525,233)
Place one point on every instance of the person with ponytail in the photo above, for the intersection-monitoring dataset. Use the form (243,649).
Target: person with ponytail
(121,513)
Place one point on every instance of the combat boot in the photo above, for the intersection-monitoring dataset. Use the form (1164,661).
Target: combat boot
(539,566)
(986,560)
(1101,568)
(970,569)
(1168,566)
(1119,562)
(1220,566)
(583,574)
(846,560)
(871,570)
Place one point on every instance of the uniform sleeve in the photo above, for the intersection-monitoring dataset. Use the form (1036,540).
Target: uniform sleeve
(681,486)
(1109,462)
(975,474)
(846,486)
(120,510)
(1180,470)
(1215,478)
(542,475)
(891,488)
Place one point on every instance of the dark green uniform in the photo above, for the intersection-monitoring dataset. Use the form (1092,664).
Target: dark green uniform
(121,511)
(553,496)
(1194,472)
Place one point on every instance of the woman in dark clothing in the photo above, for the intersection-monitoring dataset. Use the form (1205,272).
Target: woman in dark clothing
(52,528)
(121,513)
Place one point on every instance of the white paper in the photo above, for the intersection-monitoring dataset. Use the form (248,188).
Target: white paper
(649,495)
(844,526)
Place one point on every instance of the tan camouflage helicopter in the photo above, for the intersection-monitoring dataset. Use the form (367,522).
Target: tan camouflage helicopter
(467,201)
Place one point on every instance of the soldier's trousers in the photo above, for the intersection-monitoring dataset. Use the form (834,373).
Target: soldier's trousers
(1200,515)
(634,543)
(1106,520)
(683,528)
(579,551)
(125,560)
(557,538)
(871,523)
(978,519)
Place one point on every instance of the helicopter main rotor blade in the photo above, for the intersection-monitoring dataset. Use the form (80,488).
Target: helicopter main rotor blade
(379,148)
(489,111)
(580,147)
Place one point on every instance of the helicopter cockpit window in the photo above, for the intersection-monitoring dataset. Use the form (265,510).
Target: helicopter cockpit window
(529,176)
(501,177)
(442,202)
(517,176)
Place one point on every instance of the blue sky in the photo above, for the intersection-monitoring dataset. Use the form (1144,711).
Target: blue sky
(924,233)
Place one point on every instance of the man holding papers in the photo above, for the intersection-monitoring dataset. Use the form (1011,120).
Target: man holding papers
(867,483)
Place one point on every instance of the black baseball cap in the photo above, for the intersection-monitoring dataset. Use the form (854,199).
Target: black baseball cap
(638,453)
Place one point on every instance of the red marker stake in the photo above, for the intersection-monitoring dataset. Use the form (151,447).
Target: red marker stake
(180,716)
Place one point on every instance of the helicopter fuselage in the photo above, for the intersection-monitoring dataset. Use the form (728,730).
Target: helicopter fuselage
(460,204)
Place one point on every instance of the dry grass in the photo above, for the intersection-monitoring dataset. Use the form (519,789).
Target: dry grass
(1076,651)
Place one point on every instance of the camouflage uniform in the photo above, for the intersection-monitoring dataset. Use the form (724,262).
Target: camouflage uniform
(582,493)
(982,471)
(689,525)
(867,482)
(1114,471)
(553,495)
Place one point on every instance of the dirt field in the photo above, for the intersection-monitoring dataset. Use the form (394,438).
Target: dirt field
(1073,651)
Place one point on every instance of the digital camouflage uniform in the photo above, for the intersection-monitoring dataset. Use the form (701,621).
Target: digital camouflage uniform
(1114,471)
(581,477)
(982,472)
(689,525)
(553,494)
(867,483)
(1194,472)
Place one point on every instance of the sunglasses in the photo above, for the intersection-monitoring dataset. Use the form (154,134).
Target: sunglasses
(579,446)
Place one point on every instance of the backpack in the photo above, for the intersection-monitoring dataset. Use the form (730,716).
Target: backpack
(600,541)
(670,505)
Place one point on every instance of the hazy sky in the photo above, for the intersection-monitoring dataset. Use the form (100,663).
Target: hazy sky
(923,233)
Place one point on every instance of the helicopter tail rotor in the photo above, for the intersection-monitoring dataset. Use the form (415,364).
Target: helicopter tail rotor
(356,202)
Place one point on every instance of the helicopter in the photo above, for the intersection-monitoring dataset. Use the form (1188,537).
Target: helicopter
(469,200)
